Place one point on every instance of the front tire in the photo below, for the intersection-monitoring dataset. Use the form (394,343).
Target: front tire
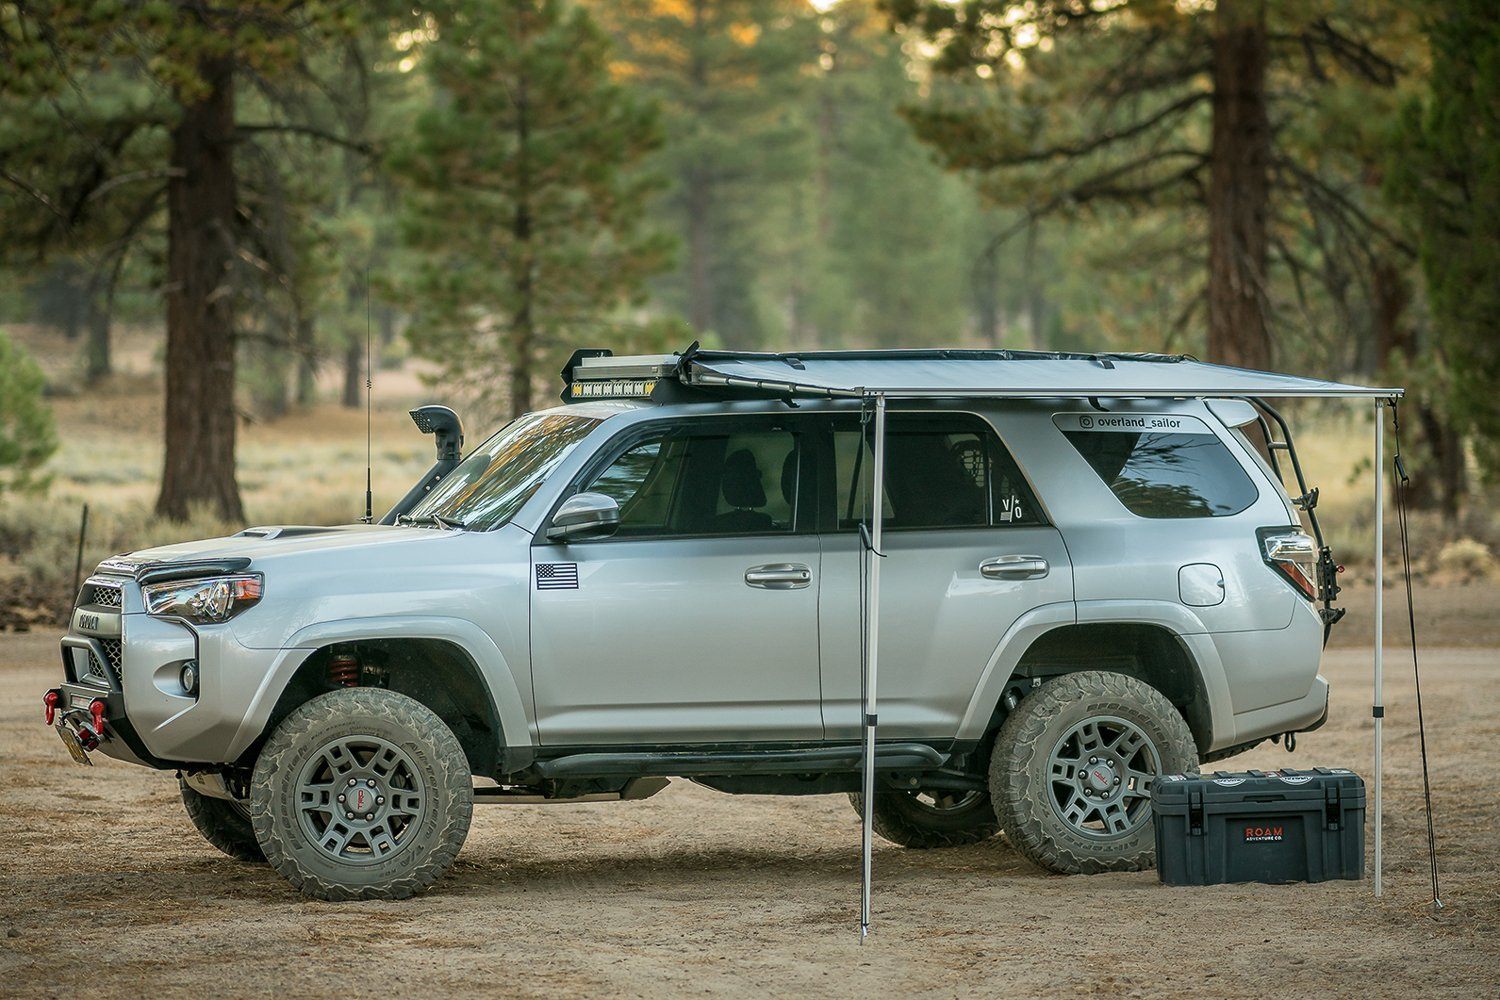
(224,824)
(361,793)
(927,819)
(1072,769)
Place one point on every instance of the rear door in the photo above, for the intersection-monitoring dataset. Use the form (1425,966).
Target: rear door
(967,552)
(697,621)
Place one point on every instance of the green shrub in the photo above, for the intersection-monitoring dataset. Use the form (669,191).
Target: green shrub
(27,435)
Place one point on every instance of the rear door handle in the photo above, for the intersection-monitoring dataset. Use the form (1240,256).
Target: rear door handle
(1014,568)
(779,576)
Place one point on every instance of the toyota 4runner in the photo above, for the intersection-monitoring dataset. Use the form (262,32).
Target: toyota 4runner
(651,582)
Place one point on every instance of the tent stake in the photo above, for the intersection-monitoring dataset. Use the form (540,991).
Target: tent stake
(1378,704)
(872,648)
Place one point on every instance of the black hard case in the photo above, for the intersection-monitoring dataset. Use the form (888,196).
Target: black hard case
(1259,826)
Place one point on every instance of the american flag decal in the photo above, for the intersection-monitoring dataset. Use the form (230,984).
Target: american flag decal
(556,576)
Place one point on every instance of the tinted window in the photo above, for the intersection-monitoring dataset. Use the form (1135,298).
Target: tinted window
(941,472)
(1160,465)
(706,479)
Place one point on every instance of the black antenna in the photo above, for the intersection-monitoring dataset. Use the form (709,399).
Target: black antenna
(369,383)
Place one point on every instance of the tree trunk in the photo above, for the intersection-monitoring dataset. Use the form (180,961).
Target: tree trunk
(523,324)
(1390,295)
(307,358)
(1036,302)
(699,192)
(1239,188)
(986,285)
(1447,447)
(700,249)
(97,363)
(200,363)
(352,396)
(385,322)
(354,368)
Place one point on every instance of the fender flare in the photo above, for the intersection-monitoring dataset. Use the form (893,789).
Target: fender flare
(1176,619)
(494,671)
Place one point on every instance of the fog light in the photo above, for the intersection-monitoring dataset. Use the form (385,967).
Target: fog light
(189,677)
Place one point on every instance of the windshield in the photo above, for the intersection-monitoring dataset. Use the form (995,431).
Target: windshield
(500,475)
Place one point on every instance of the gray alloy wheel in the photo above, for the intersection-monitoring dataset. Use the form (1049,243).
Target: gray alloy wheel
(224,824)
(1072,769)
(929,818)
(361,794)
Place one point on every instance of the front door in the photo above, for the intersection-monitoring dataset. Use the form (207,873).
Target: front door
(697,621)
(967,552)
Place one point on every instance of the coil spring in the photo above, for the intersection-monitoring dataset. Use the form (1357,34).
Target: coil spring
(343,670)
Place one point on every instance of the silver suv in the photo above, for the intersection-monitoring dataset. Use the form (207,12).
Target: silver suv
(653,582)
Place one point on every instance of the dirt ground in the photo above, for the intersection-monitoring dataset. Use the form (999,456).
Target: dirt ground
(105,889)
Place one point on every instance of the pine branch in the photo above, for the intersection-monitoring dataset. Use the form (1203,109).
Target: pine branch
(1351,53)
(1103,139)
(1344,206)
(359,146)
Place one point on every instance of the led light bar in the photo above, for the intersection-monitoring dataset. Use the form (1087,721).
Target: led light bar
(612,388)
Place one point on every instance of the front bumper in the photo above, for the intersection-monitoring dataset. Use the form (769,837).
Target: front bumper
(119,738)
(150,718)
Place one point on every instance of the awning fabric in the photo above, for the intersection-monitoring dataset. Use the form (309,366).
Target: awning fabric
(1001,374)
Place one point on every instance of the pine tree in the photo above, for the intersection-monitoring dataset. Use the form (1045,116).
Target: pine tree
(521,193)
(27,435)
(892,229)
(1447,170)
(117,113)
(1149,105)
(729,76)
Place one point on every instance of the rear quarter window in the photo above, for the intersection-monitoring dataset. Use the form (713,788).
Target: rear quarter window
(1160,465)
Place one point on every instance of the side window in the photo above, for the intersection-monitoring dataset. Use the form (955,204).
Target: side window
(712,478)
(1160,465)
(941,472)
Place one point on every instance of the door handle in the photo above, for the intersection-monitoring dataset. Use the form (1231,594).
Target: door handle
(1014,568)
(779,576)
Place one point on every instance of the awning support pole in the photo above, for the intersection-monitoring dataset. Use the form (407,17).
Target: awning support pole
(1378,703)
(872,650)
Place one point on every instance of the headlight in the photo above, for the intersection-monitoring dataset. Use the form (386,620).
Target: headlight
(205,601)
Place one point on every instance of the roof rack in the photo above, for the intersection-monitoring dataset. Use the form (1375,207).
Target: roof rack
(696,374)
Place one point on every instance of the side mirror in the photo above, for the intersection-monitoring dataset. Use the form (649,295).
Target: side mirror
(585,515)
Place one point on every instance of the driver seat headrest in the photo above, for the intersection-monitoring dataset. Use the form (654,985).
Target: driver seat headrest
(741,483)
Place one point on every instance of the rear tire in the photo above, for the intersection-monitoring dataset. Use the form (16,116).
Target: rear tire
(925,820)
(1072,769)
(224,824)
(361,793)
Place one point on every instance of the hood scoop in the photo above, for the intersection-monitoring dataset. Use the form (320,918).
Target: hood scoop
(285,531)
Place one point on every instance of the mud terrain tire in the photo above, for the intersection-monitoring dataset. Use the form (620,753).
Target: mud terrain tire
(224,824)
(376,751)
(903,818)
(1035,789)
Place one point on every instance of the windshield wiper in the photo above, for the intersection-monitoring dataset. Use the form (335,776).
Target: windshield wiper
(437,520)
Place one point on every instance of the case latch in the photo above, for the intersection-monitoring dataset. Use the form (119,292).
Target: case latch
(1195,812)
(1333,807)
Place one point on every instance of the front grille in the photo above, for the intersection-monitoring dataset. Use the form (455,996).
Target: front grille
(114,653)
(99,594)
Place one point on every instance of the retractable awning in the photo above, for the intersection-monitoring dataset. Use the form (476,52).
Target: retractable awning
(916,374)
(878,377)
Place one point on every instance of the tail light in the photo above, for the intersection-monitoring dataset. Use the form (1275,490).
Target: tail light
(1292,553)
